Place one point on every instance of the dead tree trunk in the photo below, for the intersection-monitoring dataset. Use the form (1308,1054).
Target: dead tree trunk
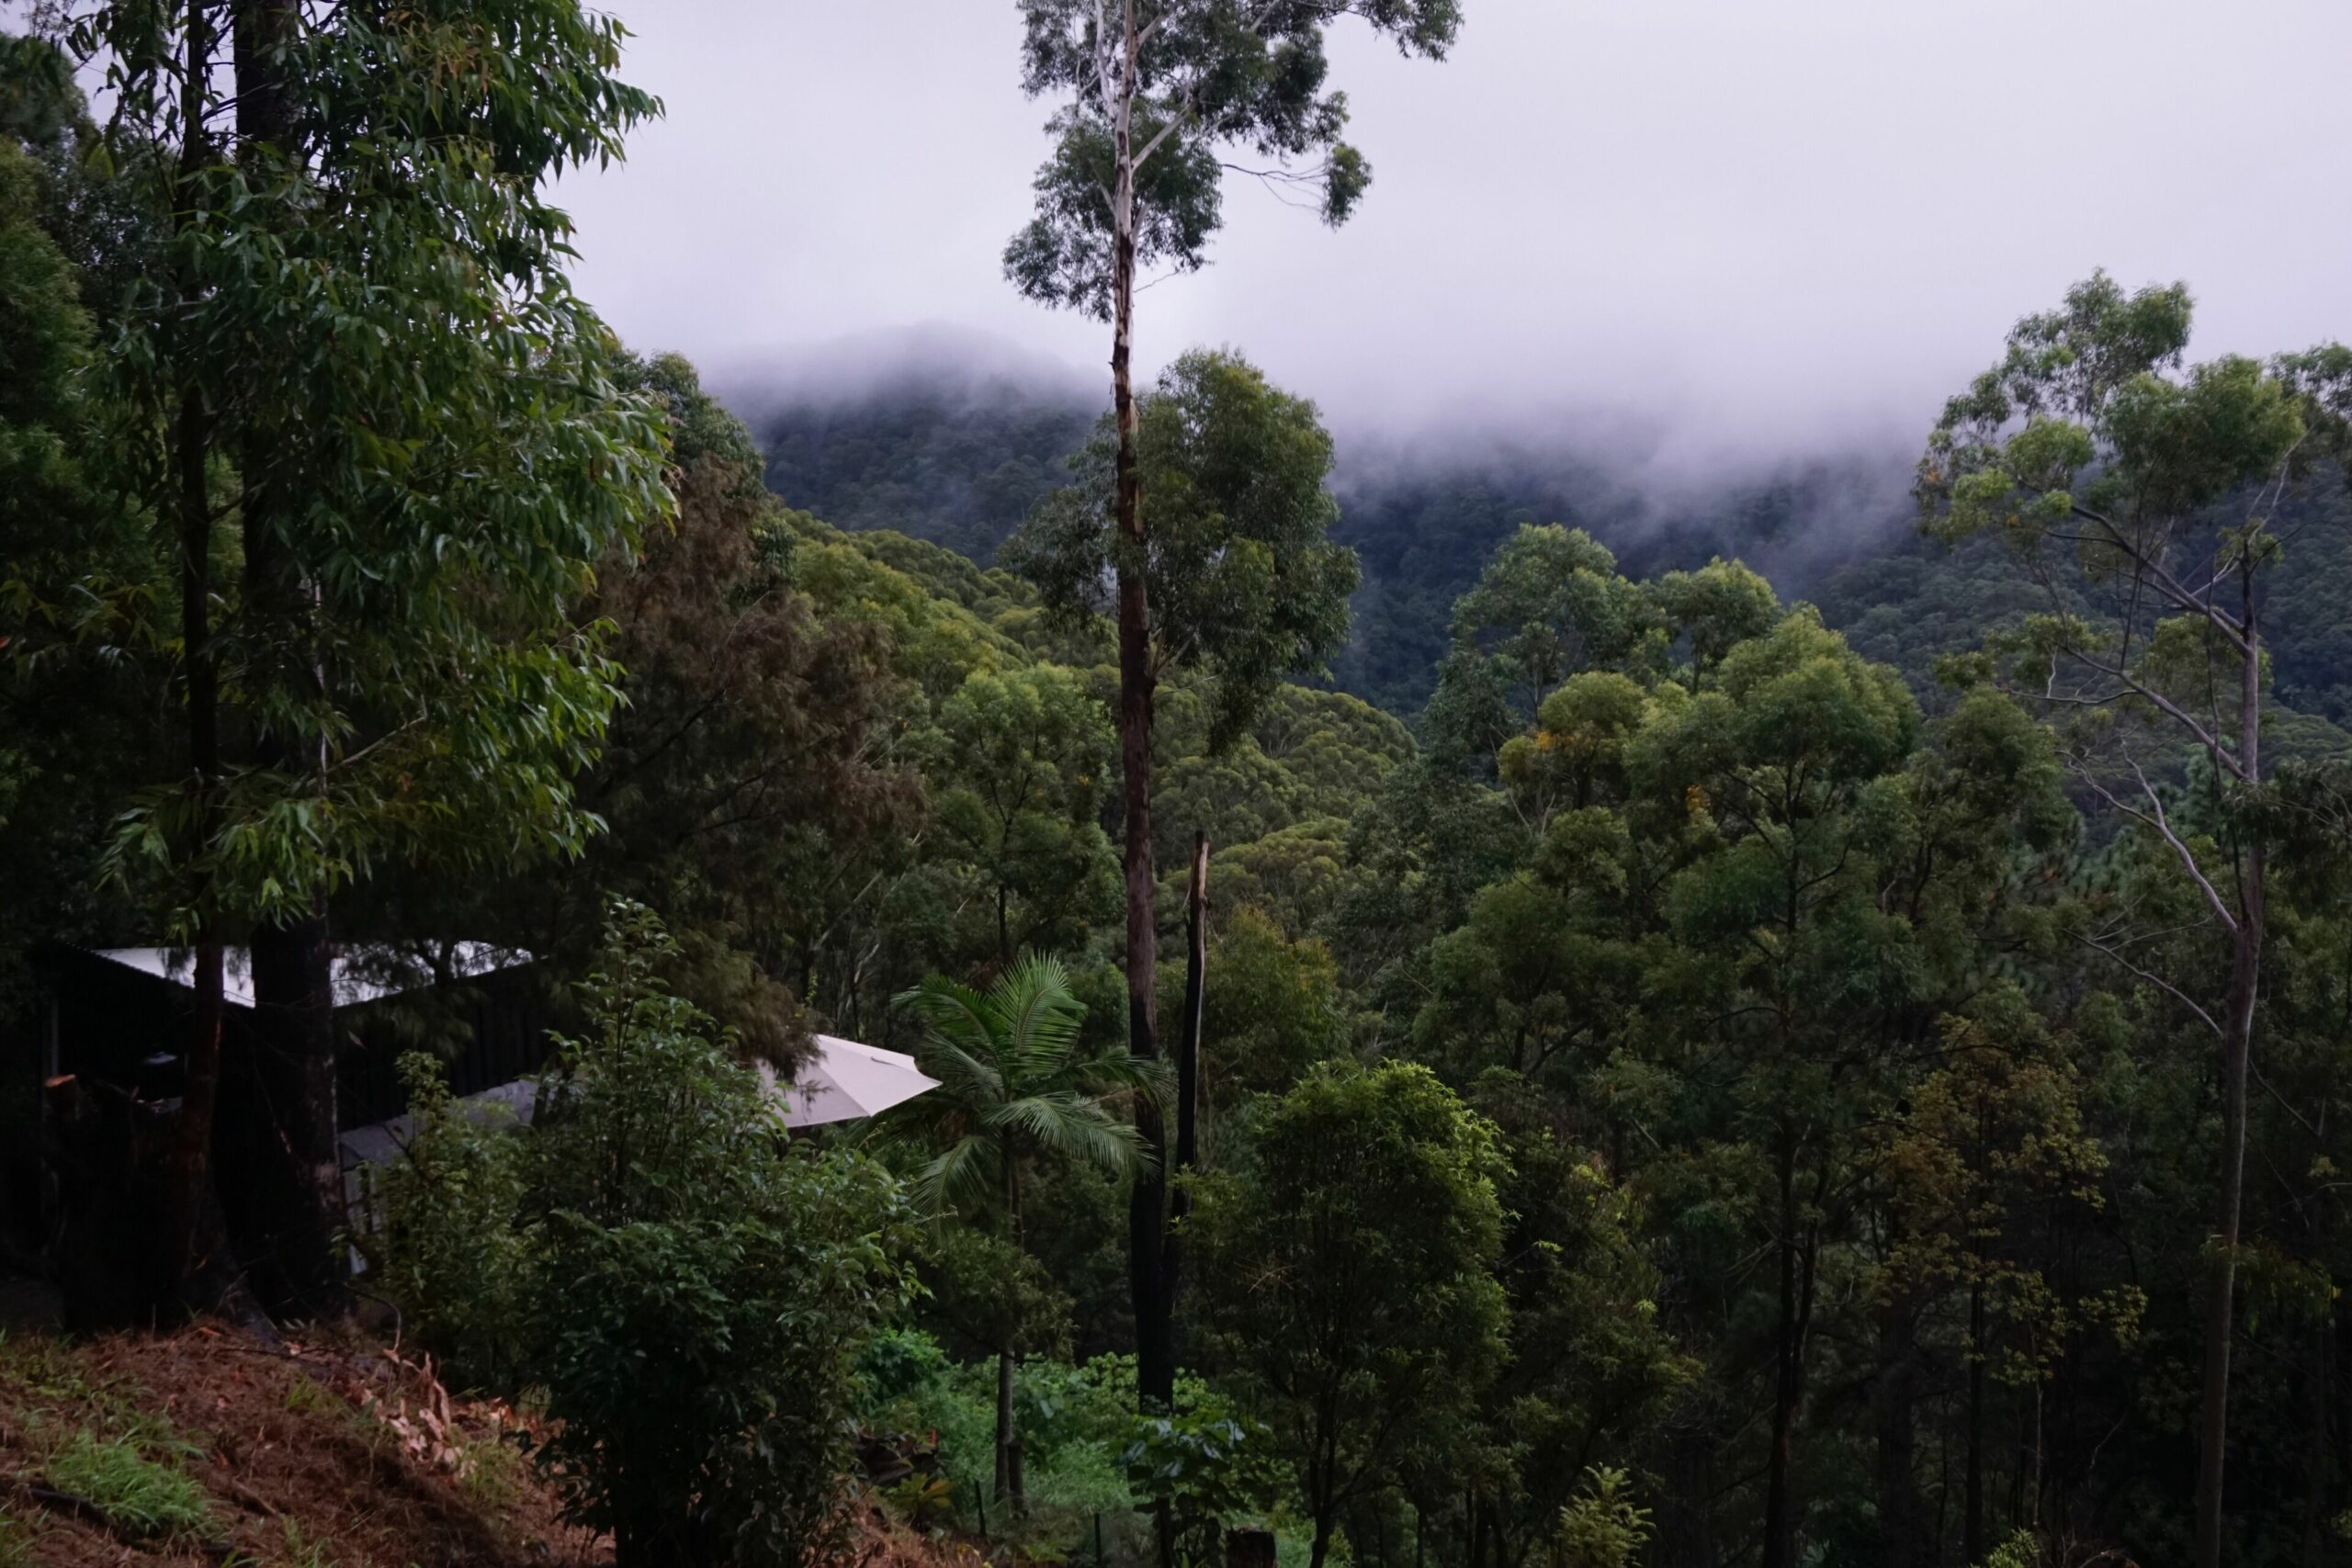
(1188,1063)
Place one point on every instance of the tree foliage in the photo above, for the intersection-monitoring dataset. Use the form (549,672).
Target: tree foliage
(1349,1266)
(1197,80)
(688,1288)
(1248,587)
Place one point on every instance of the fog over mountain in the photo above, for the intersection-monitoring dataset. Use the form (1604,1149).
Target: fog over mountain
(951,437)
(978,400)
(1696,277)
(1751,231)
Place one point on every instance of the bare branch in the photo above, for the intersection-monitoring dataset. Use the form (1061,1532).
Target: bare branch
(2162,826)
(2221,755)
(2275,489)
(1175,122)
(2158,981)
(2283,1104)
(1102,54)
(1275,179)
(2174,589)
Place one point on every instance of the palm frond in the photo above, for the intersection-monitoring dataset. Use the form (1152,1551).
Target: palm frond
(1067,1124)
(971,1080)
(1137,1075)
(953,1010)
(963,1181)
(1040,1014)
(1008,1087)
(968,1086)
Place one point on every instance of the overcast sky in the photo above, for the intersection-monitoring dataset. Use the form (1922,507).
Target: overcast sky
(1798,223)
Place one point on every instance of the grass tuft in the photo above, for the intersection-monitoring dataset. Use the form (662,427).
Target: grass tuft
(307,1396)
(51,1389)
(138,1496)
(302,1551)
(15,1541)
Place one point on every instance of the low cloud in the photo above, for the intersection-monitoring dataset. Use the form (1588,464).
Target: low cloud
(1791,230)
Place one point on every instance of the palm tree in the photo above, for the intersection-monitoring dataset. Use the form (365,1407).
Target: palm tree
(1013,1090)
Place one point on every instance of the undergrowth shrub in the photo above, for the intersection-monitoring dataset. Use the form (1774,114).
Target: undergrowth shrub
(687,1287)
(449,1246)
(1091,1458)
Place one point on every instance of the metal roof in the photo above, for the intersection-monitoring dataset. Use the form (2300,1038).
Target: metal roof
(362,974)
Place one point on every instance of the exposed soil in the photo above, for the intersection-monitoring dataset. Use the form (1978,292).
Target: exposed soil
(315,1455)
(336,1453)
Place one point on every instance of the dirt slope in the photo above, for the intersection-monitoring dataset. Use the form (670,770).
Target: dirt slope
(203,1447)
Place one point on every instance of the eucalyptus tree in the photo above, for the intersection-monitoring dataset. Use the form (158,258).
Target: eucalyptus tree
(1020,777)
(1592,1370)
(1248,587)
(1784,956)
(1348,1267)
(1991,1174)
(1550,603)
(754,764)
(1013,1093)
(73,728)
(1153,97)
(2094,450)
(356,368)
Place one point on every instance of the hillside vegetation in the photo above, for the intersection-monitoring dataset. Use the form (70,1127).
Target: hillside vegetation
(1480,1016)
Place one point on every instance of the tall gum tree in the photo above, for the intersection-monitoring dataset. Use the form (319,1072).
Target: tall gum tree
(1155,97)
(2098,455)
(1247,586)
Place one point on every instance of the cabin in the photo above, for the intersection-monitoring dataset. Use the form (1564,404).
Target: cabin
(116,1022)
(121,1015)
(114,1026)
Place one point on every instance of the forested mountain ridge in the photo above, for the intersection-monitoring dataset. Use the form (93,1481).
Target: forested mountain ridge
(956,459)
(960,462)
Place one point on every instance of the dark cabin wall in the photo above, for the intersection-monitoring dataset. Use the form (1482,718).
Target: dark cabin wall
(104,1024)
(24,1063)
(109,1019)
(488,1031)
(491,1030)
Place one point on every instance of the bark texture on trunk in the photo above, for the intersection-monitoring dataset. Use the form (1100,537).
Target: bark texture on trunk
(2318,1458)
(1188,1064)
(1973,1523)
(1795,1292)
(1009,1483)
(1900,1543)
(189,1176)
(299,1261)
(1004,1485)
(189,1180)
(1147,1206)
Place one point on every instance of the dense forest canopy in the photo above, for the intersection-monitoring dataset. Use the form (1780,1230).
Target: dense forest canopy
(1422,519)
(1485,1010)
(955,459)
